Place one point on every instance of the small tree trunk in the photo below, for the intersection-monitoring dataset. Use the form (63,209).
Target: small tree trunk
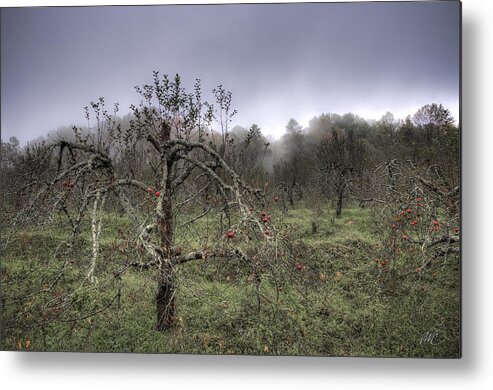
(165,297)
(340,195)
(390,170)
(291,197)
(96,219)
(339,205)
(283,206)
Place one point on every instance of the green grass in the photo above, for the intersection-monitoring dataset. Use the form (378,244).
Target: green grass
(336,306)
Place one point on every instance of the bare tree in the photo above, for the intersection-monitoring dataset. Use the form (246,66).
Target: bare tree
(292,172)
(341,158)
(173,126)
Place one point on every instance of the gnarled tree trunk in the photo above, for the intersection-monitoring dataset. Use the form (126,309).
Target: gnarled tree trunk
(165,296)
(166,286)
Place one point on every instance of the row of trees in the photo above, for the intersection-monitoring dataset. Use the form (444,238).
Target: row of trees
(407,171)
(341,156)
(334,155)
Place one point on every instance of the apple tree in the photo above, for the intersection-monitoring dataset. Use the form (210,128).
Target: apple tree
(173,129)
(341,161)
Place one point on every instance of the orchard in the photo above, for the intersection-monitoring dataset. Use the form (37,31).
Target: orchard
(171,230)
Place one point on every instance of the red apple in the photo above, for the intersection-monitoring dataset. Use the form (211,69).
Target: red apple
(299,266)
(231,234)
(158,194)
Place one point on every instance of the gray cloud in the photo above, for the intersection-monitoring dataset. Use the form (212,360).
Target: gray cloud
(280,61)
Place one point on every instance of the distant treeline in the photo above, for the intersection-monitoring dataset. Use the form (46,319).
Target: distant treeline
(333,156)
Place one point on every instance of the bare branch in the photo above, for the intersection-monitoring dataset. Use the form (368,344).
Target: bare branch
(437,190)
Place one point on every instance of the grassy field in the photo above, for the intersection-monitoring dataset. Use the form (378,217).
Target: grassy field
(335,306)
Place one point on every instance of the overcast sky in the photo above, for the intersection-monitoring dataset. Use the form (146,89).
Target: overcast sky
(280,61)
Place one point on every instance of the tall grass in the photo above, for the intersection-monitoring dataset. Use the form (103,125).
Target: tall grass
(335,306)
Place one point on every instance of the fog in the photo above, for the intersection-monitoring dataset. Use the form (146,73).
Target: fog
(280,61)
